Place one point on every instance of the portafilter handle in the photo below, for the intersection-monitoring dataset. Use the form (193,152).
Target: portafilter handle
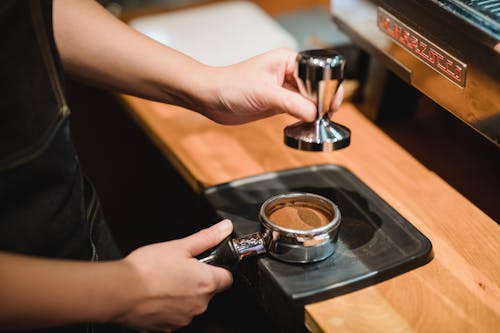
(318,74)
(232,250)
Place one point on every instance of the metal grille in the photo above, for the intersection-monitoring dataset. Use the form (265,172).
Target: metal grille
(487,9)
(483,14)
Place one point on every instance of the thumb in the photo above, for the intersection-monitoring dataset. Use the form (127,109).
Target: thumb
(293,103)
(207,238)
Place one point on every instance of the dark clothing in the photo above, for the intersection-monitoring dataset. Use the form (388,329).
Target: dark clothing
(47,208)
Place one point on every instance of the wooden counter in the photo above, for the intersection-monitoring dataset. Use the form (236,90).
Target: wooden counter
(458,291)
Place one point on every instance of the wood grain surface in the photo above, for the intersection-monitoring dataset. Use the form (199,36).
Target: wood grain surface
(458,291)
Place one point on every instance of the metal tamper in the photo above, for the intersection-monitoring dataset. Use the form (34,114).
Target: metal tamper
(319,74)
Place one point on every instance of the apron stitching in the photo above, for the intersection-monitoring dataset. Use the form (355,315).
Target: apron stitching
(43,42)
(39,146)
(36,149)
(45,139)
(91,217)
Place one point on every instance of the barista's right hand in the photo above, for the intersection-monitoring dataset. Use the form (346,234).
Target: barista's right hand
(170,286)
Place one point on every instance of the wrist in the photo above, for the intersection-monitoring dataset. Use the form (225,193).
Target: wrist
(185,82)
(204,90)
(123,290)
(215,91)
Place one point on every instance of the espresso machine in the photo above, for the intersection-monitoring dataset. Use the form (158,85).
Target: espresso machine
(434,68)
(449,50)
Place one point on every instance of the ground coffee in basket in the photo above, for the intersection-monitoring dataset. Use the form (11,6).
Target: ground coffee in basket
(298,217)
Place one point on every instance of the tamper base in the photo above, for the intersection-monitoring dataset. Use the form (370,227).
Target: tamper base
(321,135)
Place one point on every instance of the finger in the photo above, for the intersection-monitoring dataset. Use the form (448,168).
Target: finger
(222,277)
(291,87)
(337,99)
(207,238)
(290,102)
(290,64)
(166,329)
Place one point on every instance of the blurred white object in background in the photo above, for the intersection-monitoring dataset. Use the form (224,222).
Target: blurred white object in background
(218,34)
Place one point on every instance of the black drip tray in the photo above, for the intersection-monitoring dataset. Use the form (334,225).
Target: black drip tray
(375,242)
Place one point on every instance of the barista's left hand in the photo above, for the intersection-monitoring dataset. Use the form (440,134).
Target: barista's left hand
(260,87)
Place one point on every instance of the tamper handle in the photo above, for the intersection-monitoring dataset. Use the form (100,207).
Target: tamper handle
(318,75)
(321,64)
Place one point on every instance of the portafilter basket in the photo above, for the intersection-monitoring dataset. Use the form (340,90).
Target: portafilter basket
(285,244)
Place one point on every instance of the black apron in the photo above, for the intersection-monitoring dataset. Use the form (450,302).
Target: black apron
(47,208)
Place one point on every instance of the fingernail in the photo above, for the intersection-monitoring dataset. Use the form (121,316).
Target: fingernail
(225,226)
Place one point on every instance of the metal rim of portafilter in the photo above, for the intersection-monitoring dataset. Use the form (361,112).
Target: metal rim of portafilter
(285,244)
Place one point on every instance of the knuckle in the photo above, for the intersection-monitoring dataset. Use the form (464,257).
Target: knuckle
(200,306)
(185,321)
(287,105)
(229,280)
(203,308)
(206,286)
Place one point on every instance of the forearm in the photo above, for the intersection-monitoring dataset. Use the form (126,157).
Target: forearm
(158,287)
(98,48)
(37,292)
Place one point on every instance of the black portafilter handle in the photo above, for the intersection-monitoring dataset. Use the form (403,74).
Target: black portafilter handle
(231,251)
(223,255)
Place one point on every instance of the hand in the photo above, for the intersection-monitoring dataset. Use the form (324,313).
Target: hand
(256,88)
(173,285)
(261,87)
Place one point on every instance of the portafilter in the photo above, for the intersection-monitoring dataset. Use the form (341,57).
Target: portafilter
(305,245)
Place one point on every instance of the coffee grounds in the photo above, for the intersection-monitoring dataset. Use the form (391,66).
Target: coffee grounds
(298,218)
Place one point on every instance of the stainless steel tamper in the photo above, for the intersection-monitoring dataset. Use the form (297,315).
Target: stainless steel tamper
(319,74)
